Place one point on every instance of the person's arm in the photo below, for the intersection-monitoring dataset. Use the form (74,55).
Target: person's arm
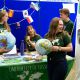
(36,39)
(29,42)
(32,43)
(68,48)
(67,44)
(3,50)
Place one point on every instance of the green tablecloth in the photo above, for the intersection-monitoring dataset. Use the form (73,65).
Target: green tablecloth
(26,70)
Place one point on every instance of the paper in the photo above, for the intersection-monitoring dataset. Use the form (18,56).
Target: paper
(34,6)
(10,13)
(70,6)
(29,19)
(25,13)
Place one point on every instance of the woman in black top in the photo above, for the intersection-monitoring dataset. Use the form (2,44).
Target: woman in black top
(31,38)
(57,64)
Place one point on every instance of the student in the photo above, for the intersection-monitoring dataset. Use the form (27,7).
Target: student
(31,38)
(4,28)
(57,64)
(68,24)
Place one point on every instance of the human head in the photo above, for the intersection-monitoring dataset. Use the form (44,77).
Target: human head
(60,26)
(56,25)
(30,30)
(64,13)
(3,16)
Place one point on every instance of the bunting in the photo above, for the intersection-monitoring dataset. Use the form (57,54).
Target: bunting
(26,15)
(29,19)
(10,13)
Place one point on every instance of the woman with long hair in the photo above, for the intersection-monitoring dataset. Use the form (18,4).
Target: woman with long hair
(31,38)
(9,40)
(3,21)
(61,41)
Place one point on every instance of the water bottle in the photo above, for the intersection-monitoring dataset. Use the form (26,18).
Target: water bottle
(22,48)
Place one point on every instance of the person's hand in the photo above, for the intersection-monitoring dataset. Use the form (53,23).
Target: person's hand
(54,48)
(28,38)
(7,50)
(3,50)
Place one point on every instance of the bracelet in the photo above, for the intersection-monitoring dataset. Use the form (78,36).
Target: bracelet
(59,49)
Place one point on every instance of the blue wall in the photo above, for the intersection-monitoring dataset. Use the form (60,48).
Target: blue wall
(41,18)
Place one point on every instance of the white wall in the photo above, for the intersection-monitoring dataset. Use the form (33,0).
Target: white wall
(51,0)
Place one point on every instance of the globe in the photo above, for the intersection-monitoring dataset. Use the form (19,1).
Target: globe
(10,40)
(43,46)
(7,40)
(3,40)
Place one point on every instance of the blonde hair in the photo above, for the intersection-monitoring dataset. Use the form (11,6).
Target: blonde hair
(6,26)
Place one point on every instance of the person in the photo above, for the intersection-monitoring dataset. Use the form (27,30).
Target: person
(31,38)
(4,28)
(68,24)
(61,43)
(3,21)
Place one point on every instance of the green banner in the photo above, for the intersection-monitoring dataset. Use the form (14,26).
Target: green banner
(33,71)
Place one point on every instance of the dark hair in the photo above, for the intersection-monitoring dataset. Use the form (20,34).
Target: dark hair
(2,14)
(65,11)
(53,28)
(30,26)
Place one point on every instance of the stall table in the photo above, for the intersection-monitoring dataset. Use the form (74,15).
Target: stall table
(18,69)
